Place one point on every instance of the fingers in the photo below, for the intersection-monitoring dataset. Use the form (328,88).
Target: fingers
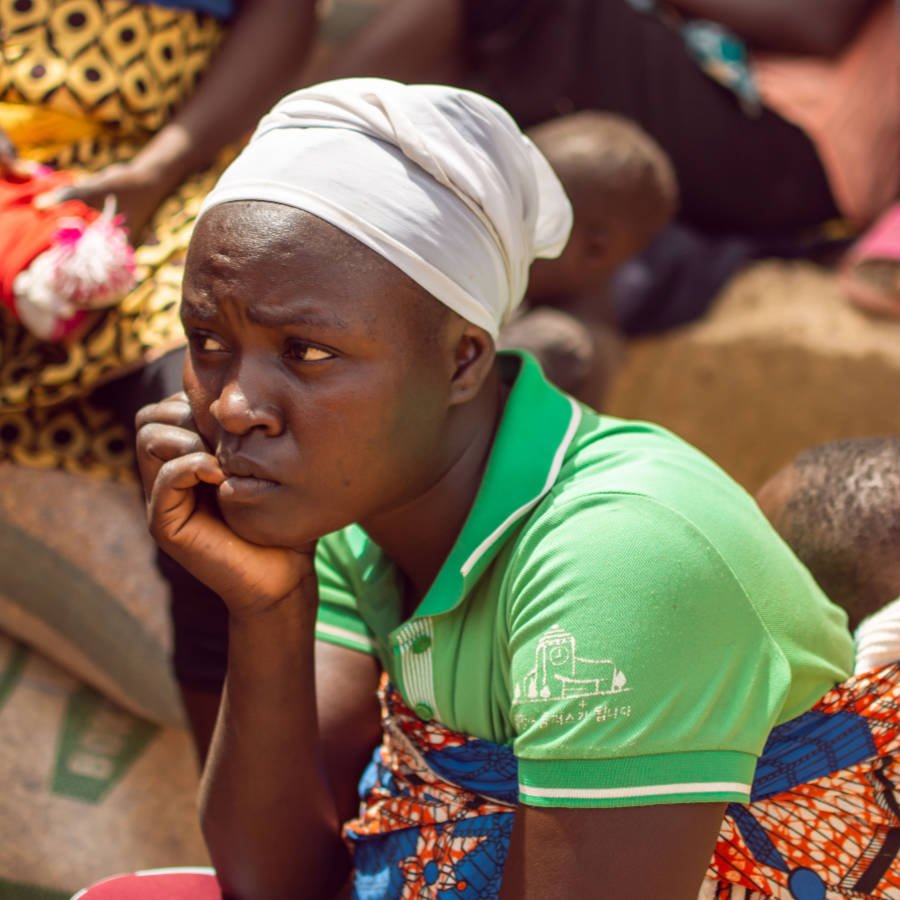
(173,461)
(93,191)
(96,199)
(173,500)
(127,190)
(174,410)
(189,530)
(158,443)
(165,431)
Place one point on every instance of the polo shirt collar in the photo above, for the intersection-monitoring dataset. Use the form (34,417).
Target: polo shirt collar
(535,431)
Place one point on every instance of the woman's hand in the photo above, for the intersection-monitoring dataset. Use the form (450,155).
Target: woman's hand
(137,191)
(180,476)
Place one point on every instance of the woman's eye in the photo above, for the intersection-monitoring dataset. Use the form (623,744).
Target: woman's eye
(206,343)
(303,352)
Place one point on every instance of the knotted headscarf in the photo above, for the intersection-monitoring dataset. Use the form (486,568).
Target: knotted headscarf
(437,180)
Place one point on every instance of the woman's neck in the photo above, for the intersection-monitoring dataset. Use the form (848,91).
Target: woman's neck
(419,536)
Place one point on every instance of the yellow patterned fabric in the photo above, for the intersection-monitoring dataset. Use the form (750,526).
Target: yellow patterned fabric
(45,131)
(105,75)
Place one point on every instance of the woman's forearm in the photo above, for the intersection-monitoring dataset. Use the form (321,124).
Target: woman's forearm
(820,27)
(267,811)
(254,65)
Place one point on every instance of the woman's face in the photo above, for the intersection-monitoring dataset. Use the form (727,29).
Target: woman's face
(312,373)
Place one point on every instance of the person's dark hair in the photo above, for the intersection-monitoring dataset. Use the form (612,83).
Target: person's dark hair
(842,519)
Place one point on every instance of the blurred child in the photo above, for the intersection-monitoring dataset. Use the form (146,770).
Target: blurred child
(623,192)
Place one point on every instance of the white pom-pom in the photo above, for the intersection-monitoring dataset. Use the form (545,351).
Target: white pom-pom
(89,266)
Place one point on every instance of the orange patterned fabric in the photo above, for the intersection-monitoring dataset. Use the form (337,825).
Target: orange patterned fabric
(829,835)
(437,811)
(823,822)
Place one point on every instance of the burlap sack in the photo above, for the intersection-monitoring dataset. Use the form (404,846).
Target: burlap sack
(79,583)
(89,790)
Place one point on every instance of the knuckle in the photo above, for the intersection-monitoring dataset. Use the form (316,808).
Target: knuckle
(173,410)
(145,415)
(166,442)
(153,528)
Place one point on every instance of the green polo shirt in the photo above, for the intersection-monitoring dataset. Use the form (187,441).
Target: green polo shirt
(615,608)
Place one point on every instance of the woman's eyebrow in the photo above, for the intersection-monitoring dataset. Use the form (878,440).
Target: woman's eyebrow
(276,316)
(197,309)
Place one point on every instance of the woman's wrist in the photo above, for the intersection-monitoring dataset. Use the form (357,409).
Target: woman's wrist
(296,610)
(169,157)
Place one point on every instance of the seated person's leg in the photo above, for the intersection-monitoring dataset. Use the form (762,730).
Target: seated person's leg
(200,655)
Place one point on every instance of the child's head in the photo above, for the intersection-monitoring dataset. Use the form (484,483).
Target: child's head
(623,192)
(838,506)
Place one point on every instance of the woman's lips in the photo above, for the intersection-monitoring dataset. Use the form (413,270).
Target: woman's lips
(245,479)
(244,488)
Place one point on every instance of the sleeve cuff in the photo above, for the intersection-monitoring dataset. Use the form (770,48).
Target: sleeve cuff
(344,630)
(713,776)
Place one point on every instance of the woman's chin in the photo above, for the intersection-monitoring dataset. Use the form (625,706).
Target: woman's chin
(257,528)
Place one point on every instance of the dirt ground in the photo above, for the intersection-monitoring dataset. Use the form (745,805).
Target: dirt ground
(780,363)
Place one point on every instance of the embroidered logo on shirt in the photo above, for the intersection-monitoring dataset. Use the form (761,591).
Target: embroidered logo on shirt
(560,674)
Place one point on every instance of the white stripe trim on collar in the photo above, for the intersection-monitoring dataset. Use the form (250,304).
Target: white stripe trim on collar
(552,475)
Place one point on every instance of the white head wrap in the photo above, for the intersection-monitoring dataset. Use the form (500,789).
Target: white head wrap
(439,181)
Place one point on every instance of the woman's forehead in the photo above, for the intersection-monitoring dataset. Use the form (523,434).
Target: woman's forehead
(248,239)
(253,222)
(284,257)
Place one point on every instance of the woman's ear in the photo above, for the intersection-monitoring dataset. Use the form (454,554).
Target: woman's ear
(474,355)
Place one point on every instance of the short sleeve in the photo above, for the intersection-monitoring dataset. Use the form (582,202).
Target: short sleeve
(640,672)
(338,621)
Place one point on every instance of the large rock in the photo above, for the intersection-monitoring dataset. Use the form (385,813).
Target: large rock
(782,362)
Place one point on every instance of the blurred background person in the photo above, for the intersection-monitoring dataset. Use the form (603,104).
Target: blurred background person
(142,102)
(623,192)
(779,119)
(838,507)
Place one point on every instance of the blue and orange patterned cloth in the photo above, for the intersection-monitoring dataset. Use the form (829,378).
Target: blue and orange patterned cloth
(436,813)
(823,820)
(437,810)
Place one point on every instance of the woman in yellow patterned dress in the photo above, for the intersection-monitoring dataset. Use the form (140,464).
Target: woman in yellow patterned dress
(144,101)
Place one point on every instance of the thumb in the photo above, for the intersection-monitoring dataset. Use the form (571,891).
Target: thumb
(19,168)
(52,198)
(82,192)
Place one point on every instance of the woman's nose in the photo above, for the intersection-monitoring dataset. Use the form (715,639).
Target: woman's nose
(238,411)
